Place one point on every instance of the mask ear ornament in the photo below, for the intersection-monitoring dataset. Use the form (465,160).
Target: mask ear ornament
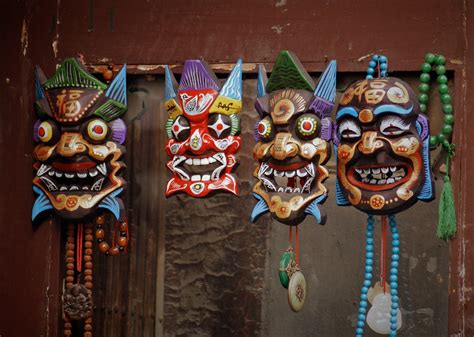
(292,147)
(78,172)
(381,140)
(202,129)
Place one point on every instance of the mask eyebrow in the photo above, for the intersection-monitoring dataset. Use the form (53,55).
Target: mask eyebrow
(392,108)
(347,111)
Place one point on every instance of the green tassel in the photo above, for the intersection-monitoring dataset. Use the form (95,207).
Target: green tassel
(447,212)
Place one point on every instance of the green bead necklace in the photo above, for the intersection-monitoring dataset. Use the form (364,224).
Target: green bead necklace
(437,61)
(447,224)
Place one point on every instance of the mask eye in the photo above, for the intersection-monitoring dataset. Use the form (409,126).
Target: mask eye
(393,126)
(265,129)
(47,131)
(219,125)
(307,126)
(348,129)
(180,129)
(97,130)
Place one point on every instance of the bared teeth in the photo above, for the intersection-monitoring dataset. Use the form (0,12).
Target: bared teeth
(380,175)
(69,175)
(287,181)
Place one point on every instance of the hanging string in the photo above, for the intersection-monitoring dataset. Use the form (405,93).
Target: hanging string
(296,247)
(79,247)
(369,261)
(291,235)
(394,263)
(383,252)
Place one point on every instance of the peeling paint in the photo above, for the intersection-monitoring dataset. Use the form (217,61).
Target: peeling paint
(7,80)
(280,3)
(432,265)
(54,45)
(279,28)
(454,61)
(412,262)
(104,60)
(24,37)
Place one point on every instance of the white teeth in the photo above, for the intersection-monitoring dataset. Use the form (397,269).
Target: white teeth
(363,175)
(211,160)
(390,180)
(310,169)
(82,174)
(381,182)
(59,174)
(85,188)
(69,175)
(206,177)
(365,180)
(195,177)
(93,173)
(288,190)
(398,178)
(280,189)
(196,161)
(373,181)
(220,157)
(267,183)
(63,188)
(189,161)
(204,161)
(301,173)
(74,188)
(269,171)
(51,173)
(393,168)
(296,190)
(278,173)
(359,171)
(43,169)
(49,184)
(290,174)
(97,185)
(102,168)
(384,169)
(376,171)
(367,171)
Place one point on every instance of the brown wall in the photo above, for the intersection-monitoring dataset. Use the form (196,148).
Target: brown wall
(158,32)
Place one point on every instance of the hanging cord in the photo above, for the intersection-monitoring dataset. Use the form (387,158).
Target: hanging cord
(369,261)
(79,247)
(296,247)
(383,253)
(394,263)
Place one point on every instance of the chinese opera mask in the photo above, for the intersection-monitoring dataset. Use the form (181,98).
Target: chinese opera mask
(292,134)
(78,152)
(382,147)
(202,129)
(79,136)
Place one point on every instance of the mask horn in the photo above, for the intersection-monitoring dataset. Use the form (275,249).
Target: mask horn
(40,78)
(233,86)
(116,95)
(171,85)
(325,93)
(261,81)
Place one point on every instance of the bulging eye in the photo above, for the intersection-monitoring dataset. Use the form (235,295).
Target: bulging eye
(348,129)
(180,128)
(393,126)
(47,131)
(97,130)
(307,126)
(265,129)
(219,125)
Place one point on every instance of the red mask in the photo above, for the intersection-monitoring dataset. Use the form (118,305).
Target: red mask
(202,129)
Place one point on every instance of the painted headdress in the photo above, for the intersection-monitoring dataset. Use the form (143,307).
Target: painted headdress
(202,129)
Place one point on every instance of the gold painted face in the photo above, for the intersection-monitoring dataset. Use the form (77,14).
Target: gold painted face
(290,154)
(380,165)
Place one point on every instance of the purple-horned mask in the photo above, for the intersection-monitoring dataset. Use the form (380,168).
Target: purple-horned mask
(382,145)
(292,134)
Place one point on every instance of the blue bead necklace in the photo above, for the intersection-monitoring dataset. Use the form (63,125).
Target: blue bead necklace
(380,63)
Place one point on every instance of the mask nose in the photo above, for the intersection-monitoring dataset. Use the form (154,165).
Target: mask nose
(70,144)
(283,146)
(195,141)
(370,143)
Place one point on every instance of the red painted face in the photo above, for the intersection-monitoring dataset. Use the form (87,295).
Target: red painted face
(202,141)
